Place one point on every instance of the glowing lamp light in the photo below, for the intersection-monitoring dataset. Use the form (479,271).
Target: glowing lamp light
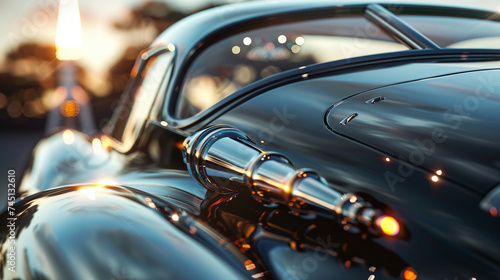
(299,41)
(282,39)
(247,41)
(388,225)
(408,274)
(68,137)
(97,146)
(69,31)
(236,50)
(175,217)
(69,109)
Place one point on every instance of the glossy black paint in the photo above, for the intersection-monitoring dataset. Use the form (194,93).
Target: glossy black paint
(63,233)
(433,124)
(443,218)
(86,231)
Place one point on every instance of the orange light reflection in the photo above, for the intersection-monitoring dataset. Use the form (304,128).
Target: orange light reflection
(388,225)
(409,274)
(69,109)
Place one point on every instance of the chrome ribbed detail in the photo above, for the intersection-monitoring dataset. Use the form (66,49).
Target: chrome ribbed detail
(224,159)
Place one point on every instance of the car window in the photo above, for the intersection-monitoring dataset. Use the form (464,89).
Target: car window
(456,32)
(136,104)
(246,57)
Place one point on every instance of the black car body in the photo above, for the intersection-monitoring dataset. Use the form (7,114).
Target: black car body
(396,106)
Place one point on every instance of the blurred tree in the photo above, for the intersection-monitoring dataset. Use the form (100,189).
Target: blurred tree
(150,14)
(30,71)
(158,15)
(27,85)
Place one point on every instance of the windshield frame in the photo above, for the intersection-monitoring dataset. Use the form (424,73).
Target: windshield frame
(255,88)
(152,52)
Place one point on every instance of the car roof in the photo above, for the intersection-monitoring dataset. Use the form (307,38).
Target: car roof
(190,32)
(193,34)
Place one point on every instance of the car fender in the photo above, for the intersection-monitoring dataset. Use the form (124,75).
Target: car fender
(105,232)
(52,157)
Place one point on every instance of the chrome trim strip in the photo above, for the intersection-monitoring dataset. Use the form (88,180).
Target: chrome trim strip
(349,118)
(397,27)
(139,66)
(224,159)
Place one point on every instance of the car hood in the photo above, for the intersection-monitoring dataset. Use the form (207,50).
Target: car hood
(446,125)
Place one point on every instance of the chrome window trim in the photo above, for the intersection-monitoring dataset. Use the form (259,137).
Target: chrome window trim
(333,68)
(139,67)
(398,28)
(168,113)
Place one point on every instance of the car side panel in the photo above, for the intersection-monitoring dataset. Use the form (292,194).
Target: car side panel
(291,120)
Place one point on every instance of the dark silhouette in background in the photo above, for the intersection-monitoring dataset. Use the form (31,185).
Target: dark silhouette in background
(30,77)
(155,14)
(28,85)
(32,72)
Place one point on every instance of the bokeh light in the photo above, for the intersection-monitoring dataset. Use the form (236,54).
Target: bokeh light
(68,137)
(282,39)
(236,50)
(69,109)
(408,274)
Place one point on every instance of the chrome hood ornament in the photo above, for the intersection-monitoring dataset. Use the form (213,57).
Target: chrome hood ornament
(224,159)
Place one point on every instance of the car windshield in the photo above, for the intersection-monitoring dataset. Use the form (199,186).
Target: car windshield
(246,57)
(455,32)
(135,105)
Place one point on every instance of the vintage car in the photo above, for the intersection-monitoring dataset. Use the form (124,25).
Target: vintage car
(267,140)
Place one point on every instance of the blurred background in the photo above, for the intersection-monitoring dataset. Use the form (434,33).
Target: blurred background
(114,32)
